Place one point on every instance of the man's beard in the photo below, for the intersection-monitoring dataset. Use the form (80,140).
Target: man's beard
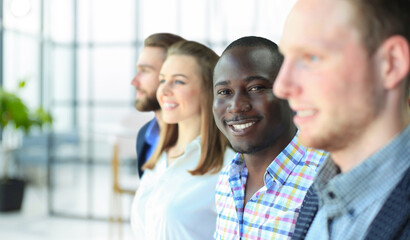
(250,149)
(147,104)
(269,142)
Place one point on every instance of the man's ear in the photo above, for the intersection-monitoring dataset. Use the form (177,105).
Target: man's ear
(395,55)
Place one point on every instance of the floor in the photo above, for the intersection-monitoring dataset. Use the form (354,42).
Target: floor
(33,222)
(77,189)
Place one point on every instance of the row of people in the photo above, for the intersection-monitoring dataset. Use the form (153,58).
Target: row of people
(176,197)
(231,152)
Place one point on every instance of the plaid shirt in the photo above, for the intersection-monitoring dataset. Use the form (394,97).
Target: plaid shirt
(272,211)
(350,201)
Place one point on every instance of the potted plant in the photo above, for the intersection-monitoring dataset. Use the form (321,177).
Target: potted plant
(15,119)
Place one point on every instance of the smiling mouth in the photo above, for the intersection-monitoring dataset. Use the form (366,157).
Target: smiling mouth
(169,105)
(241,126)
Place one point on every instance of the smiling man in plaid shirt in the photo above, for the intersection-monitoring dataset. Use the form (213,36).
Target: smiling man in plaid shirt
(260,192)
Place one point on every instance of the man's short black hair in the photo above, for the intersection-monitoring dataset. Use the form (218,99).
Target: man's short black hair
(259,42)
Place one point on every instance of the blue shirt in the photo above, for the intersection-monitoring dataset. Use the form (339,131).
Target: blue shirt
(348,202)
(151,138)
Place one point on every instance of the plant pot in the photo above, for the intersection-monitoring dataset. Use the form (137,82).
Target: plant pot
(11,194)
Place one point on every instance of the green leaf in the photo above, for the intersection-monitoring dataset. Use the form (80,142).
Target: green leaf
(22,83)
(14,111)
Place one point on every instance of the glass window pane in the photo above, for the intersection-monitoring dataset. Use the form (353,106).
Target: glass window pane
(21,55)
(63,118)
(193,19)
(22,15)
(61,73)
(113,21)
(115,119)
(262,18)
(113,71)
(84,79)
(59,23)
(271,18)
(153,20)
(84,20)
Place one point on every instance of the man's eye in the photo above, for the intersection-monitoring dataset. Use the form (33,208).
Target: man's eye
(161,81)
(314,58)
(179,82)
(223,92)
(256,88)
(311,58)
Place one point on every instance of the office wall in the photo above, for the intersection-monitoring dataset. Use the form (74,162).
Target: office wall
(78,58)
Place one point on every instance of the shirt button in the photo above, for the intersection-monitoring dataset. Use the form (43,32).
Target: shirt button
(331,195)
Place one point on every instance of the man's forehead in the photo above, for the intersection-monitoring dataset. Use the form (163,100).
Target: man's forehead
(244,68)
(155,53)
(155,49)
(244,57)
(151,57)
(224,64)
(322,26)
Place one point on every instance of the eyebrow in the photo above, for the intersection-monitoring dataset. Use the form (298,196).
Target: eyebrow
(248,79)
(145,66)
(222,83)
(175,75)
(315,45)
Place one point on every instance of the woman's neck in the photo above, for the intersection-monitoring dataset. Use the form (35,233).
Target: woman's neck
(188,130)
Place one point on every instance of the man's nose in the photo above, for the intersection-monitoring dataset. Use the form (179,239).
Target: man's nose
(135,81)
(240,103)
(285,85)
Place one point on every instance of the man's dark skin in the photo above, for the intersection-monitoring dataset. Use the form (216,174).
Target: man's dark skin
(256,123)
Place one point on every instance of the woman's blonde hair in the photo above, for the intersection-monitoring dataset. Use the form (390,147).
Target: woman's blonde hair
(213,142)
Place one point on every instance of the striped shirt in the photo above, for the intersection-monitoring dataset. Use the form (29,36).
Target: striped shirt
(272,211)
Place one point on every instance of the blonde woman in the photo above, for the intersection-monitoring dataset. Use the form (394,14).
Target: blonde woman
(176,197)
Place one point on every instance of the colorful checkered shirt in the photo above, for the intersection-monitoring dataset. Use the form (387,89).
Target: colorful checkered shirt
(272,211)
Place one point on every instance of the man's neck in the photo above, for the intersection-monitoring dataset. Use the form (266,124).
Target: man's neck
(377,135)
(258,162)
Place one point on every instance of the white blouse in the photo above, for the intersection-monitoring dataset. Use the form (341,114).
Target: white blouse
(172,204)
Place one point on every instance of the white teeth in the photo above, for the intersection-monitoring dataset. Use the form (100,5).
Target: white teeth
(305,113)
(242,126)
(169,105)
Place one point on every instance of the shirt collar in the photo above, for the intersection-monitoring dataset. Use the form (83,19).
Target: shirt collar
(237,165)
(282,166)
(370,180)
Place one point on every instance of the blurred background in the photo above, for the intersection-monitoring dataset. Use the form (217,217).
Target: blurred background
(77,59)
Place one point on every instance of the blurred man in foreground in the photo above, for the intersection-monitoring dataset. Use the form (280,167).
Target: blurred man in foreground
(346,75)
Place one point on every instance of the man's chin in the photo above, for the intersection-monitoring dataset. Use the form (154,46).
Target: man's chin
(245,149)
(144,106)
(317,142)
